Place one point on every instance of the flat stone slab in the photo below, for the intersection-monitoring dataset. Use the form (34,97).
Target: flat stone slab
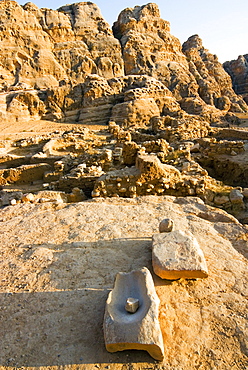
(133,330)
(178,255)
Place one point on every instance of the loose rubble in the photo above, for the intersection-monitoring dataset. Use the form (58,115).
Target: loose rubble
(118,162)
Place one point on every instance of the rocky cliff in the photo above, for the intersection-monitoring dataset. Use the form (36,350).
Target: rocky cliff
(44,48)
(68,64)
(238,70)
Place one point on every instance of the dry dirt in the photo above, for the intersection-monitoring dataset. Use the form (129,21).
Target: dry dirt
(21,130)
(24,129)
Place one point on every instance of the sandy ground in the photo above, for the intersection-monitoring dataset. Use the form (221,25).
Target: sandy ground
(21,130)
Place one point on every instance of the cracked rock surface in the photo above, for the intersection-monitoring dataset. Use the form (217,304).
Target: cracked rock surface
(58,266)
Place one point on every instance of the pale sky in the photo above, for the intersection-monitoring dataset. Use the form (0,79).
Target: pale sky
(221,24)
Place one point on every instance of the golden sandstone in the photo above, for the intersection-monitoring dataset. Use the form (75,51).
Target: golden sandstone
(105,133)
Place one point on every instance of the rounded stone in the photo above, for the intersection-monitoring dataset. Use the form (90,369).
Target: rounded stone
(166,225)
(29,197)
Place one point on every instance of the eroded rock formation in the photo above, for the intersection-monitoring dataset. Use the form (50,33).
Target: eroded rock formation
(44,47)
(238,70)
(214,84)
(67,64)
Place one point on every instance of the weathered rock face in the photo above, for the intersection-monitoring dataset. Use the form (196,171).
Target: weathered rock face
(215,86)
(55,50)
(191,71)
(67,64)
(238,70)
(149,48)
(43,47)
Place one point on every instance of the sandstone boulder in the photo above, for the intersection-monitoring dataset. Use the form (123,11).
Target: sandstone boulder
(178,255)
(138,112)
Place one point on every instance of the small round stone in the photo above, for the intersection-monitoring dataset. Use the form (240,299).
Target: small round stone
(166,225)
